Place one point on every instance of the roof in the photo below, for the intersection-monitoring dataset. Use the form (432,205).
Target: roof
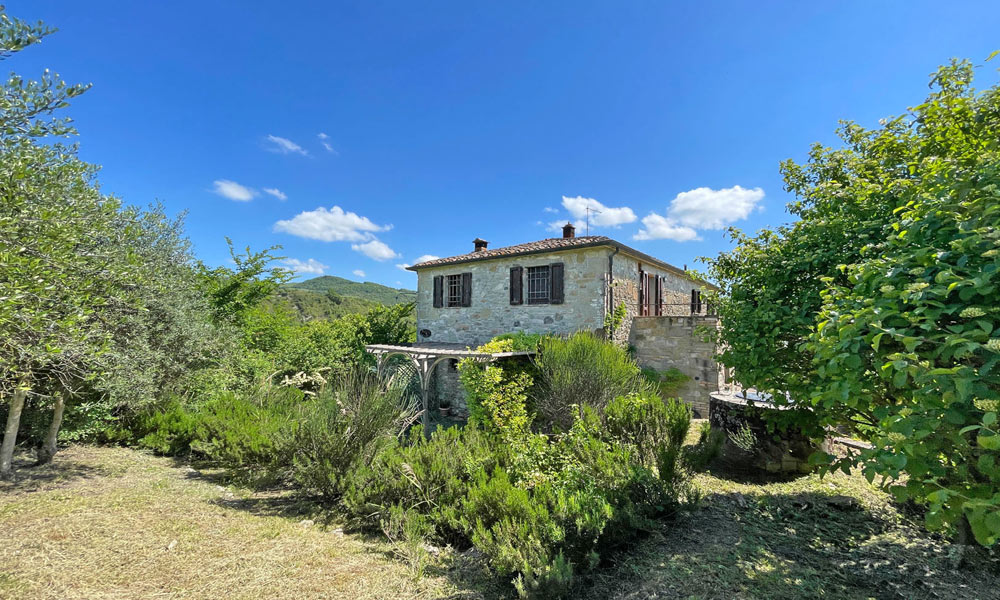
(552,245)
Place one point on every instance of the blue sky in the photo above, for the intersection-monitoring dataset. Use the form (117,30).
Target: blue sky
(444,121)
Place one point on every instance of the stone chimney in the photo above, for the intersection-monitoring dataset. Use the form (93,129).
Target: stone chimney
(569,231)
(480,244)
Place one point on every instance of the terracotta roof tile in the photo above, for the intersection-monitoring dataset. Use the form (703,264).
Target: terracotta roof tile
(550,244)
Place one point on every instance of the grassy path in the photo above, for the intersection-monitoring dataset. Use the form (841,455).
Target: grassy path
(116,523)
(105,523)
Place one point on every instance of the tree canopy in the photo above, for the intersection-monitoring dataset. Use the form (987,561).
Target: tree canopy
(876,313)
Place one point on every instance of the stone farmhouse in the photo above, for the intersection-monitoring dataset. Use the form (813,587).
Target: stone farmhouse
(561,286)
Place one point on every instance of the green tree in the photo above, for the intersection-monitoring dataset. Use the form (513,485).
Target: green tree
(877,309)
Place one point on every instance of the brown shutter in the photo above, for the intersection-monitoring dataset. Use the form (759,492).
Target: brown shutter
(516,295)
(556,283)
(642,292)
(466,289)
(659,295)
(438,291)
(694,301)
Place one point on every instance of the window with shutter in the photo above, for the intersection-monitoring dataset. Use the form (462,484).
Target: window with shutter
(438,291)
(556,283)
(453,291)
(539,286)
(516,296)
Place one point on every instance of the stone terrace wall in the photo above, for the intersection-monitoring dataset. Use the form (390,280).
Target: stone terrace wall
(664,342)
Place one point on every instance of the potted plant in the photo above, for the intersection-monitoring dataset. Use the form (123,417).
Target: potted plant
(444,406)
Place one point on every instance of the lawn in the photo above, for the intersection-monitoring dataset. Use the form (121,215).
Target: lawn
(118,523)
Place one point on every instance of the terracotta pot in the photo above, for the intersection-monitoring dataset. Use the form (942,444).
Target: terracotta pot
(444,410)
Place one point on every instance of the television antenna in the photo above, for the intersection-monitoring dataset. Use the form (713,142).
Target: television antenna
(590,210)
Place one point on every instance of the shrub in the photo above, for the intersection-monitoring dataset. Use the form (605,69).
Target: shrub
(668,382)
(345,426)
(168,431)
(497,393)
(520,341)
(592,498)
(582,370)
(245,433)
(428,476)
(648,424)
(525,532)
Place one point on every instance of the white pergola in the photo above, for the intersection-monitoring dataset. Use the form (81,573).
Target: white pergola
(426,356)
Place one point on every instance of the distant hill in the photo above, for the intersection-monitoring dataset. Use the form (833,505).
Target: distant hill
(365,290)
(329,297)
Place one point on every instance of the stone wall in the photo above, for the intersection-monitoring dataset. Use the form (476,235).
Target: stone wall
(446,385)
(585,274)
(625,288)
(664,342)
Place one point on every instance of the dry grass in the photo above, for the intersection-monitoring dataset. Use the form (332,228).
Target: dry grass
(802,537)
(105,523)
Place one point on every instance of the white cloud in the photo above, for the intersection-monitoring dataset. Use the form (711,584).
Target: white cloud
(233,191)
(699,209)
(662,228)
(420,259)
(285,146)
(375,250)
(333,225)
(358,273)
(705,208)
(549,209)
(312,266)
(326,144)
(280,195)
(600,215)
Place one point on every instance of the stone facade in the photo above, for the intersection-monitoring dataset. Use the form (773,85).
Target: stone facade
(490,313)
(596,280)
(662,343)
(586,290)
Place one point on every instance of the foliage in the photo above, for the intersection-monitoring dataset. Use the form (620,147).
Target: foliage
(614,319)
(668,382)
(877,307)
(497,392)
(649,425)
(365,290)
(582,370)
(522,341)
(234,292)
(345,427)
(430,476)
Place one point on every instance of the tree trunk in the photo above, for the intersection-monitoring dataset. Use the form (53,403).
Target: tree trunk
(10,434)
(48,449)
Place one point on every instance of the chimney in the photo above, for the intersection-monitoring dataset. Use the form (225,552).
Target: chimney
(480,244)
(569,231)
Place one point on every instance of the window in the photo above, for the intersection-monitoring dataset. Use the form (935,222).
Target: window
(538,285)
(454,290)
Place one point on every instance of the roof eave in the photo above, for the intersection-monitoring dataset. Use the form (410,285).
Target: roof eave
(596,243)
